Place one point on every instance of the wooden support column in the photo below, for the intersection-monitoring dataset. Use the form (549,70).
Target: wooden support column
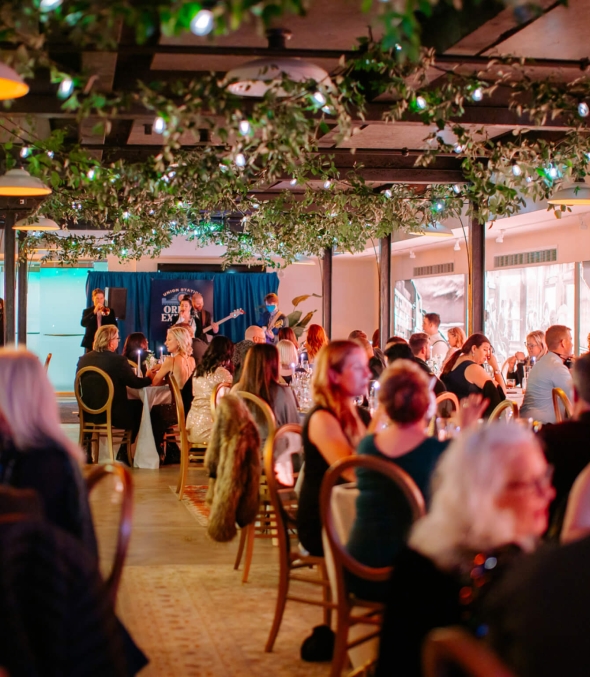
(477,278)
(327,291)
(384,289)
(9,278)
(22,290)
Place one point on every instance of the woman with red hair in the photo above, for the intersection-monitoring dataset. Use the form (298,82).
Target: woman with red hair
(315,341)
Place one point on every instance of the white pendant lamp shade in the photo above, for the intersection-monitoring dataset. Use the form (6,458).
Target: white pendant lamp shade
(19,183)
(574,194)
(40,223)
(437,229)
(12,86)
(254,77)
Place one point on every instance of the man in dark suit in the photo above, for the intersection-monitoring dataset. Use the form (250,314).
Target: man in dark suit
(126,413)
(566,444)
(94,317)
(204,316)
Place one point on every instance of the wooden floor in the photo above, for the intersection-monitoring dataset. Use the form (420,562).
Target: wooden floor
(181,599)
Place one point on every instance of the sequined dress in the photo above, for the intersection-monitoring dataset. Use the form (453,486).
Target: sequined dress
(199,421)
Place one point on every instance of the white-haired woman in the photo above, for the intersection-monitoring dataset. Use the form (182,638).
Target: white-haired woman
(491,493)
(180,363)
(34,451)
(288,359)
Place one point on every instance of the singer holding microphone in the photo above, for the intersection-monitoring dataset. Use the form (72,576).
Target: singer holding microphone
(94,317)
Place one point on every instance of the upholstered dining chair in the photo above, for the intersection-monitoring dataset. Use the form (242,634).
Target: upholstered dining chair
(281,480)
(265,525)
(97,430)
(220,390)
(123,485)
(352,611)
(561,399)
(503,406)
(47,361)
(446,649)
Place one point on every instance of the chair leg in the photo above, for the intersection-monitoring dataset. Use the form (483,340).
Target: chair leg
(183,472)
(110,443)
(130,453)
(251,530)
(326,595)
(280,607)
(243,533)
(341,642)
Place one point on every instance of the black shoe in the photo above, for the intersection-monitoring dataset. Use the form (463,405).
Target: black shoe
(122,456)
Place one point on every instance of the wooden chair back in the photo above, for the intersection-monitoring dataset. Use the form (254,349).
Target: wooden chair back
(123,485)
(446,649)
(47,361)
(576,523)
(561,399)
(501,407)
(78,390)
(267,415)
(220,390)
(342,558)
(451,397)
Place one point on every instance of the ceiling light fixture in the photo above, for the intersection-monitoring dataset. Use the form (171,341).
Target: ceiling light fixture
(412,254)
(19,183)
(457,246)
(500,238)
(40,223)
(254,78)
(12,86)
(577,193)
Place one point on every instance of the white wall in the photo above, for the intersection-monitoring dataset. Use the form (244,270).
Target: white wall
(355,291)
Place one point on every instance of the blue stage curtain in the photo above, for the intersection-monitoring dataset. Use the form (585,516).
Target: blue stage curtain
(230,291)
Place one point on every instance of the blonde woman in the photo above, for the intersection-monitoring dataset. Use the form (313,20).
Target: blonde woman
(456,337)
(536,349)
(332,428)
(287,357)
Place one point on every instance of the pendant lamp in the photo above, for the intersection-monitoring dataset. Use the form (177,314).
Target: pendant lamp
(12,86)
(40,223)
(577,193)
(19,183)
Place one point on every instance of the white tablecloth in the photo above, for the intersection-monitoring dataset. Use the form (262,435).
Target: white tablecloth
(146,454)
(515,395)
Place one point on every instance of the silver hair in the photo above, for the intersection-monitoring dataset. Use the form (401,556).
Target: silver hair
(287,353)
(28,403)
(470,475)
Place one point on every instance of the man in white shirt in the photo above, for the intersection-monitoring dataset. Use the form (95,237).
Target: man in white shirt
(430,325)
(549,372)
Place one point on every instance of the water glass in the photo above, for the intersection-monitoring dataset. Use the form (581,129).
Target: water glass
(511,383)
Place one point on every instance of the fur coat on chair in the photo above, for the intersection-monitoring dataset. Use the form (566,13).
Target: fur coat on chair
(233,464)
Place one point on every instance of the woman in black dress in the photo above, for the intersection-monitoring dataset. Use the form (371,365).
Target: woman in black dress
(332,428)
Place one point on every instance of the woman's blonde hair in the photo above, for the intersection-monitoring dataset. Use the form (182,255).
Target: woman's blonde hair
(183,338)
(315,341)
(469,477)
(28,405)
(459,334)
(103,337)
(538,337)
(332,359)
(287,353)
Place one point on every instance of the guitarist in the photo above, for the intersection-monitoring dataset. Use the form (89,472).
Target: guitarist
(272,319)
(202,316)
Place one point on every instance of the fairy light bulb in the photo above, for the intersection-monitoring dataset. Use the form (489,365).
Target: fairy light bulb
(245,127)
(421,103)
(516,169)
(240,160)
(159,125)
(583,110)
(202,23)
(319,98)
(65,89)
(477,94)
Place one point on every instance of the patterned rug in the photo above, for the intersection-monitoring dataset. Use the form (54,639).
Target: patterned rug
(200,621)
(194,501)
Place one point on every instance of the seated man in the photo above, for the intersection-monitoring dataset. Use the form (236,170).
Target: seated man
(430,325)
(252,335)
(549,372)
(421,350)
(272,319)
(126,413)
(566,444)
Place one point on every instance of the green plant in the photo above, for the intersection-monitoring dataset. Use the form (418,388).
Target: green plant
(296,322)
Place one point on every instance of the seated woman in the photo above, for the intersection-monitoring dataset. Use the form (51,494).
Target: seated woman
(288,359)
(464,374)
(382,513)
(215,367)
(536,348)
(456,337)
(287,334)
(35,453)
(260,376)
(179,343)
(315,341)
(491,493)
(133,343)
(332,428)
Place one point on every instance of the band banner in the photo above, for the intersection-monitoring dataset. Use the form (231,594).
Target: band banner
(165,299)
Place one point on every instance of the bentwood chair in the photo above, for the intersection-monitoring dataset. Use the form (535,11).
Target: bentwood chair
(446,649)
(503,406)
(97,430)
(448,397)
(47,361)
(120,476)
(576,523)
(281,479)
(220,390)
(561,399)
(352,611)
(180,437)
(265,525)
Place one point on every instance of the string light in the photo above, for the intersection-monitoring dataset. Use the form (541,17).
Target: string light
(50,154)
(293,182)
(516,168)
(387,193)
(457,188)
(159,125)
(25,151)
(66,87)
(319,98)
(552,172)
(245,127)
(125,215)
(439,206)
(327,184)
(583,110)
(202,22)
(421,103)
(49,5)
(458,148)
(477,94)
(240,160)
